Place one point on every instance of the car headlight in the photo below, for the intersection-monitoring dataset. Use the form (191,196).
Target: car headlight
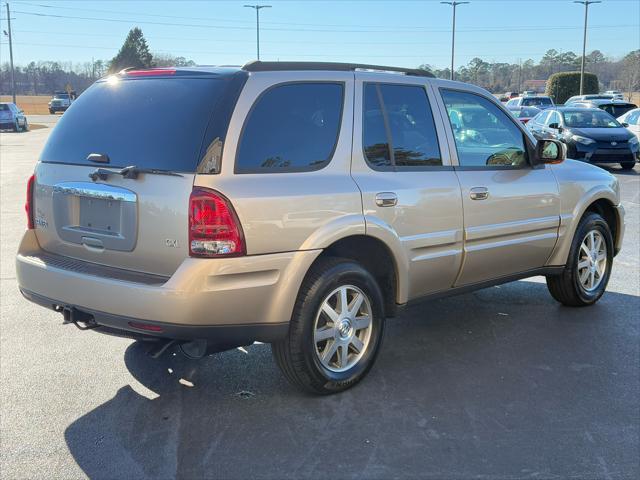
(633,141)
(583,140)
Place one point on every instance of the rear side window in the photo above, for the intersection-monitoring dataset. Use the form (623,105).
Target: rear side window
(159,123)
(398,127)
(291,127)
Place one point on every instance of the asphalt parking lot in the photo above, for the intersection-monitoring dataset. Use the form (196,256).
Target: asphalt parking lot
(502,383)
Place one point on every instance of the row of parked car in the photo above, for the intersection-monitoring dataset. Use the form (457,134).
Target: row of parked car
(597,128)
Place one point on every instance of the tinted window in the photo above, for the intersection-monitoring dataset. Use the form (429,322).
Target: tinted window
(617,110)
(408,118)
(151,122)
(292,127)
(484,134)
(4,107)
(374,139)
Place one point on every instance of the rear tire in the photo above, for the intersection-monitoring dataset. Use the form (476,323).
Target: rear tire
(336,328)
(627,165)
(16,127)
(585,277)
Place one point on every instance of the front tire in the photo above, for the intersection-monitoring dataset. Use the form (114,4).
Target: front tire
(585,277)
(336,328)
(627,165)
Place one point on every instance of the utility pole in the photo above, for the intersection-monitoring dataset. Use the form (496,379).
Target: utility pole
(586,4)
(454,4)
(519,75)
(257,8)
(13,78)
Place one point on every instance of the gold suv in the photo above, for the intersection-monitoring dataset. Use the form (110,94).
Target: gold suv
(300,204)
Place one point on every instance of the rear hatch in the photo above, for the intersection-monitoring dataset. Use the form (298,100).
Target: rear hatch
(5,113)
(166,125)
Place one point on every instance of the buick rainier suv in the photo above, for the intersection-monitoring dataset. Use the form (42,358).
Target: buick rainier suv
(300,204)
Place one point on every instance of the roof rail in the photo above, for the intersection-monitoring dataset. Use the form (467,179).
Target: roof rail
(258,66)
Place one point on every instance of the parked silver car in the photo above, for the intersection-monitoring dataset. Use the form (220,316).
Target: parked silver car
(300,204)
(12,118)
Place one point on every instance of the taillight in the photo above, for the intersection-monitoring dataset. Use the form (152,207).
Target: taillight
(214,228)
(29,204)
(524,120)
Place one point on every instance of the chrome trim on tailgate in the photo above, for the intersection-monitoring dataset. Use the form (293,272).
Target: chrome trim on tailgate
(95,190)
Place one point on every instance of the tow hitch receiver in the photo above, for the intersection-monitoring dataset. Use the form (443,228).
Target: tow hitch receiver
(82,320)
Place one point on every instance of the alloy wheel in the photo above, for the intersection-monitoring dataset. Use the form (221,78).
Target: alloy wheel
(342,328)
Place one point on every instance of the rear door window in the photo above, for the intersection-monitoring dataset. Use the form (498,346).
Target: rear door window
(159,123)
(398,127)
(291,127)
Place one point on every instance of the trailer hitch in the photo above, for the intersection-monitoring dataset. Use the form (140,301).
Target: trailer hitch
(82,320)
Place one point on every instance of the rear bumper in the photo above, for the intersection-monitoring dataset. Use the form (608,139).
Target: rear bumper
(202,297)
(232,335)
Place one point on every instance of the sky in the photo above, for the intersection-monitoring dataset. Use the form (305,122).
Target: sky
(391,32)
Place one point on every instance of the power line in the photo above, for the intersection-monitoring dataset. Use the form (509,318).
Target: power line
(403,31)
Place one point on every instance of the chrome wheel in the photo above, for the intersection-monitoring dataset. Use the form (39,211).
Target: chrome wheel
(342,328)
(592,260)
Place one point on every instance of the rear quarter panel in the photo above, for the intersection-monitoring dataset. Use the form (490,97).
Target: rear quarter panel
(282,212)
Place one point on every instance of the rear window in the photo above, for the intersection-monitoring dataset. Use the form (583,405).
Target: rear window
(160,123)
(4,107)
(536,101)
(617,110)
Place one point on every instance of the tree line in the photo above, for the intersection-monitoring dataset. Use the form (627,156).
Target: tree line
(497,77)
(45,77)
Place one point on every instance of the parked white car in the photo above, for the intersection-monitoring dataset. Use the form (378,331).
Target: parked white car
(617,94)
(631,120)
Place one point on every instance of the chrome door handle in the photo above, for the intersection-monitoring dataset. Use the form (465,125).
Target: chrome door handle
(386,199)
(479,193)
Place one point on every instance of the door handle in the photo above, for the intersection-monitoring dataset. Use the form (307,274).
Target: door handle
(386,199)
(479,193)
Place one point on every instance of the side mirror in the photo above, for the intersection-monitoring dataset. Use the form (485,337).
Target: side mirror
(554,126)
(549,151)
(625,124)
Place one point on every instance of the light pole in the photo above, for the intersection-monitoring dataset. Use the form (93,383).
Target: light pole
(257,9)
(8,34)
(586,4)
(454,4)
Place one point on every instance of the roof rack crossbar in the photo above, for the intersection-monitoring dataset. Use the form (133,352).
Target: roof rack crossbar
(258,66)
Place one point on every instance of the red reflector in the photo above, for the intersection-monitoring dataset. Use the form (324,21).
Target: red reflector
(151,72)
(214,228)
(524,120)
(28,206)
(145,326)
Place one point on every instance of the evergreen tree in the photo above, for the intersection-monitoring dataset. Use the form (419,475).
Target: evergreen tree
(133,53)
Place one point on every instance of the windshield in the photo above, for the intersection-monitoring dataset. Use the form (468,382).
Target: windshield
(589,119)
(61,96)
(529,101)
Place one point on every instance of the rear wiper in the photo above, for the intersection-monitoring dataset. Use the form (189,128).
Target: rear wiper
(130,172)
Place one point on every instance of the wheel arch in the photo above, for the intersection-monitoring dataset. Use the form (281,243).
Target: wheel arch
(376,257)
(599,200)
